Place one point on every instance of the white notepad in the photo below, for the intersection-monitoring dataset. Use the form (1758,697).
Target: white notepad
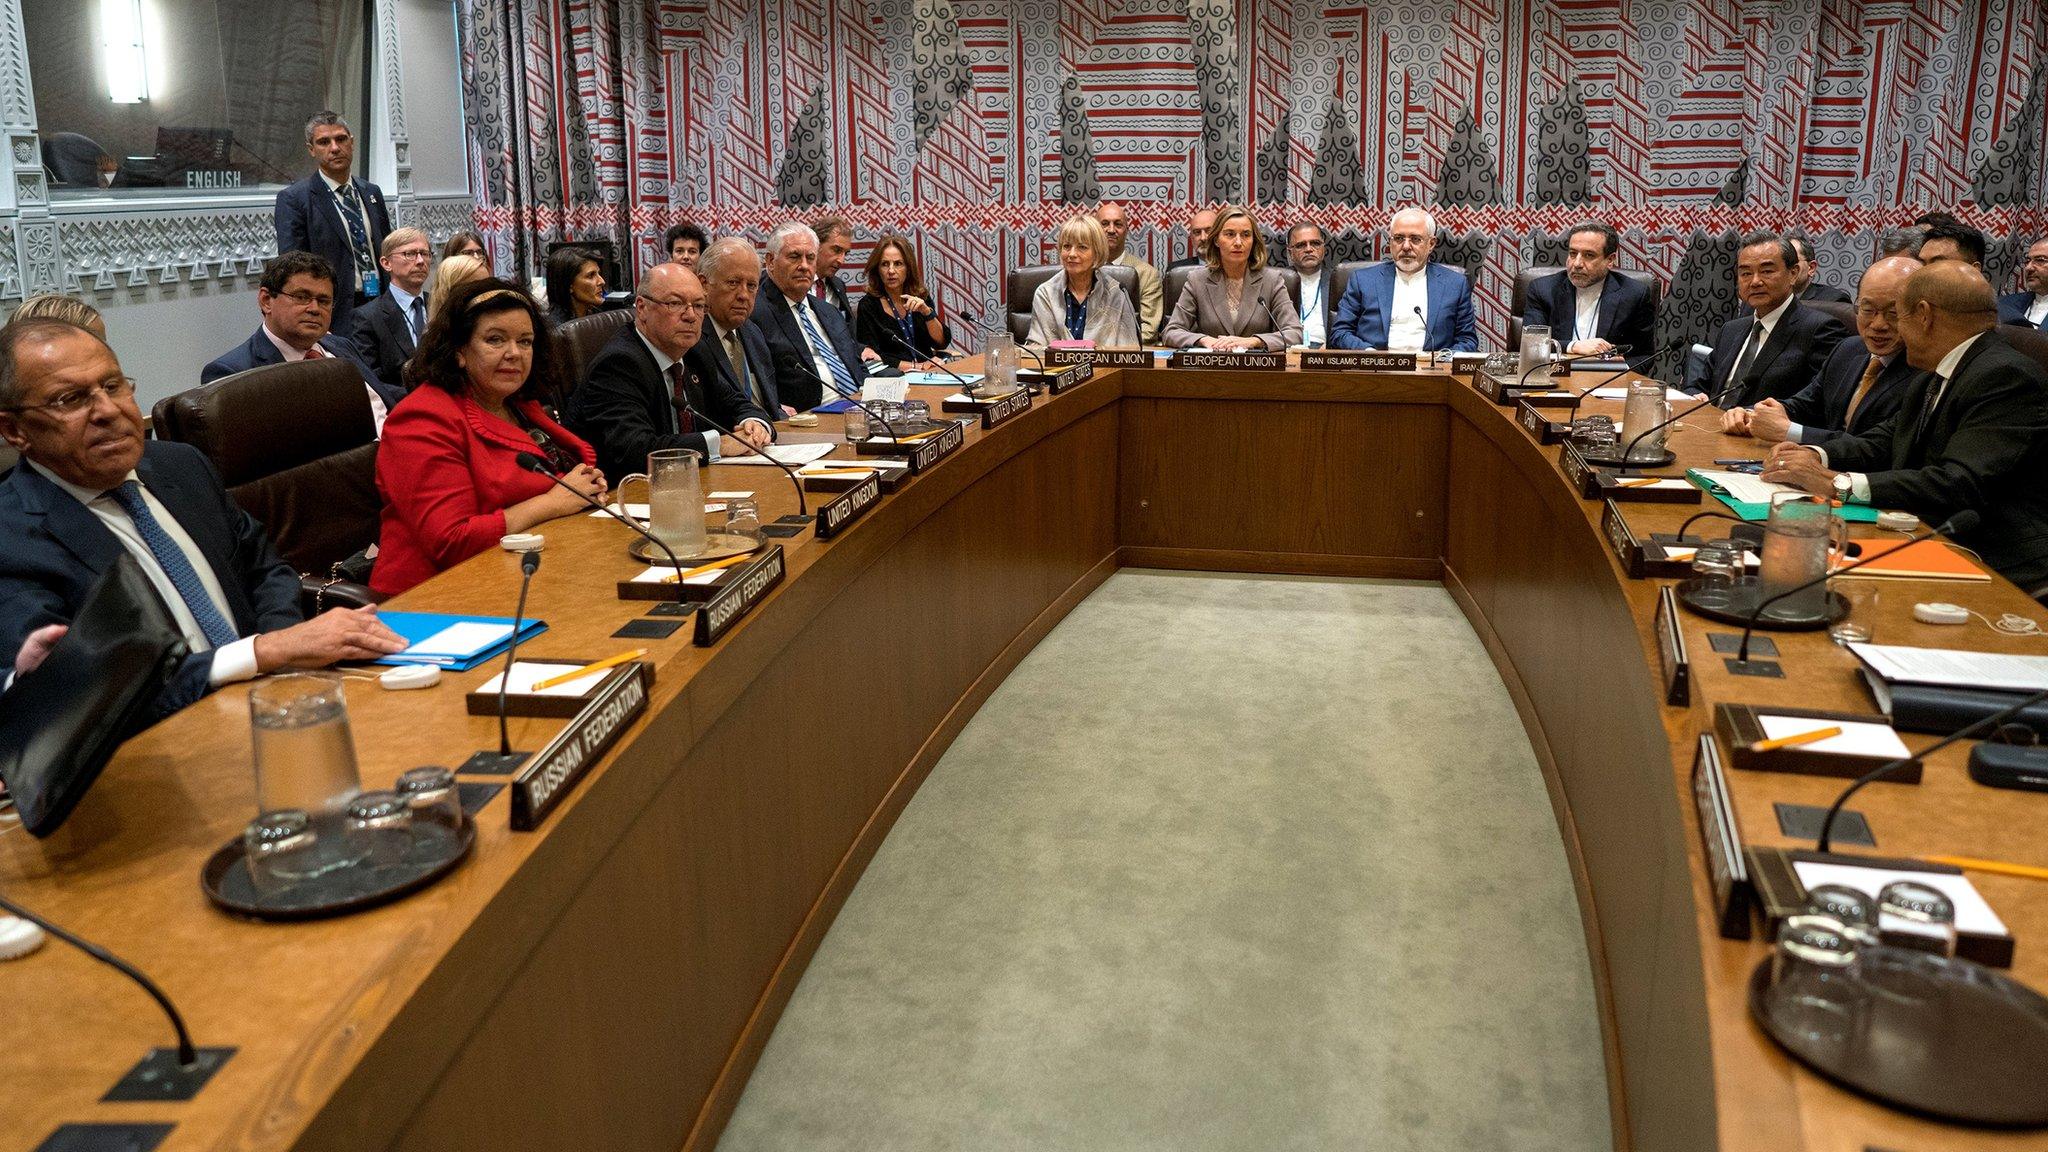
(1857,738)
(525,675)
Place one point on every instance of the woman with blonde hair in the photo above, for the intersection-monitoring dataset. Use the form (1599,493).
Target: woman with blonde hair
(449,274)
(1080,303)
(1233,302)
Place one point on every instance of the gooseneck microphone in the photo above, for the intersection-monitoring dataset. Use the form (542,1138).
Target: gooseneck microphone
(803,507)
(188,1055)
(1959,524)
(1547,362)
(1827,824)
(798,361)
(540,467)
(1579,397)
(505,759)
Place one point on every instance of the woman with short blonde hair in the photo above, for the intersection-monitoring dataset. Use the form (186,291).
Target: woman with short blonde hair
(1079,303)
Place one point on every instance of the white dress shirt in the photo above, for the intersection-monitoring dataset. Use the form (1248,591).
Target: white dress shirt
(1408,330)
(235,661)
(664,362)
(293,356)
(2037,312)
(1586,317)
(1859,483)
(1312,289)
(341,213)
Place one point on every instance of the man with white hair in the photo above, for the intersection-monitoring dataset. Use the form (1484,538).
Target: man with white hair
(1407,303)
(815,340)
(732,344)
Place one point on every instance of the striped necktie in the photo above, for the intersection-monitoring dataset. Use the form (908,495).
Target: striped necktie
(840,376)
(176,565)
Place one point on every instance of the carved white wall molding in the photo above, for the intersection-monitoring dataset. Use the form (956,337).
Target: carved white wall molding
(105,252)
(442,216)
(394,98)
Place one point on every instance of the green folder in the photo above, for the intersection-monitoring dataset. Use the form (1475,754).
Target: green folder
(1853,513)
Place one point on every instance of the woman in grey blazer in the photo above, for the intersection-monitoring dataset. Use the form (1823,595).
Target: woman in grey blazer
(1234,302)
(1078,304)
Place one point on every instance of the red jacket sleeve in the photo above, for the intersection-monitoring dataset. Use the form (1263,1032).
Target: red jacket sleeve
(428,477)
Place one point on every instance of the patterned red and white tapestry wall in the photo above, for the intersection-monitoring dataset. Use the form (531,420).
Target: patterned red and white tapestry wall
(976,126)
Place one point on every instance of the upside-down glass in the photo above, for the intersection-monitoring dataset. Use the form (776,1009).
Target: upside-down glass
(1717,565)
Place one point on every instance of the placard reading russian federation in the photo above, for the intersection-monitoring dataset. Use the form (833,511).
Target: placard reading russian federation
(848,506)
(744,590)
(1236,361)
(555,769)
(1099,357)
(1355,360)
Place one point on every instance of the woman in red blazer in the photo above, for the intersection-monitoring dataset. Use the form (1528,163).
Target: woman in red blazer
(448,466)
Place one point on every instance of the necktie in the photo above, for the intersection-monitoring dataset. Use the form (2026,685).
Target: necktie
(1748,355)
(1935,384)
(685,422)
(1870,374)
(176,565)
(358,235)
(737,353)
(419,317)
(316,352)
(840,376)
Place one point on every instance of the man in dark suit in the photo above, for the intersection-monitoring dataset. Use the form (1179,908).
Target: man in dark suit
(1780,347)
(1861,384)
(633,401)
(2030,305)
(1200,225)
(1589,307)
(1970,434)
(387,328)
(1803,283)
(90,488)
(296,296)
(335,216)
(821,351)
(732,345)
(835,240)
(1407,303)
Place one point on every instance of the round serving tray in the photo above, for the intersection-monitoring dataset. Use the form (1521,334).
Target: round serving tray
(1745,597)
(1641,460)
(433,850)
(717,546)
(1941,1037)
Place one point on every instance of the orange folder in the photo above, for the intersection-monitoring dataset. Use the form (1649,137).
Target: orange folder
(1918,560)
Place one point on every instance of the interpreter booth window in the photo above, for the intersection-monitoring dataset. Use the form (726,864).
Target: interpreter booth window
(143,98)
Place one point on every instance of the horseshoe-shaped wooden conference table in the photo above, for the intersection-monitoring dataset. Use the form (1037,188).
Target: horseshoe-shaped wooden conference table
(609,980)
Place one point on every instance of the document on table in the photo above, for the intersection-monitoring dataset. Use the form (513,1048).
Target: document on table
(888,389)
(1947,667)
(661,574)
(1858,738)
(459,640)
(1742,487)
(1620,392)
(791,454)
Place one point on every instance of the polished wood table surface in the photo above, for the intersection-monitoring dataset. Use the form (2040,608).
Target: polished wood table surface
(609,980)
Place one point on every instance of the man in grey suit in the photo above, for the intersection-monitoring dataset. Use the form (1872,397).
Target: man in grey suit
(1970,434)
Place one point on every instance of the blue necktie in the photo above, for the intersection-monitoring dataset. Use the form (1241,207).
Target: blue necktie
(419,317)
(358,233)
(840,375)
(176,565)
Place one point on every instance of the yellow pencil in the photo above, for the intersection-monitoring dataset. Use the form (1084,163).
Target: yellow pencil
(1645,482)
(843,472)
(1796,739)
(587,669)
(1997,867)
(701,569)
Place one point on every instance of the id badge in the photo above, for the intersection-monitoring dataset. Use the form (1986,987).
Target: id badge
(373,282)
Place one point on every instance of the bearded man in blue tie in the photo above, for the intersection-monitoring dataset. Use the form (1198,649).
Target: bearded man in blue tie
(89,488)
(336,216)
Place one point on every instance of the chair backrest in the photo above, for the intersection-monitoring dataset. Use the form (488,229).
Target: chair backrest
(1844,312)
(1518,300)
(1174,280)
(1340,279)
(1022,284)
(297,448)
(2031,341)
(578,341)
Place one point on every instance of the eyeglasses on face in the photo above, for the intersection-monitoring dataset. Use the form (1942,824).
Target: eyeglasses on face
(681,307)
(117,389)
(308,299)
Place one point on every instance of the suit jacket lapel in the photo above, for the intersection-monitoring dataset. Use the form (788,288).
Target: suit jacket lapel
(1610,302)
(68,522)
(1781,338)
(262,351)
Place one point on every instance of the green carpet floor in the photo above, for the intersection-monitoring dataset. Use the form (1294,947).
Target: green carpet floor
(1228,862)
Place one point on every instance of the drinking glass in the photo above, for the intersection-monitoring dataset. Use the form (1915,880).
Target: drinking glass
(1718,565)
(743,518)
(1811,992)
(432,794)
(379,822)
(1860,625)
(917,417)
(856,424)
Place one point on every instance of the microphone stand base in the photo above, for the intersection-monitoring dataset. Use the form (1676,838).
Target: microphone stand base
(671,608)
(1769,669)
(158,1077)
(493,764)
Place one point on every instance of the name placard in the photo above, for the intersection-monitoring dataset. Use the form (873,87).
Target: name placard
(1621,539)
(930,451)
(1671,650)
(1239,361)
(555,769)
(847,507)
(1727,870)
(1583,477)
(1535,423)
(744,590)
(1008,408)
(1505,387)
(1355,360)
(1057,380)
(1100,357)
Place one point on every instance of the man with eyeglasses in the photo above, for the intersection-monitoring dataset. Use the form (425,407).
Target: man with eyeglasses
(296,297)
(1406,303)
(2029,307)
(643,395)
(1589,307)
(1308,251)
(388,328)
(90,488)
(1861,384)
(336,216)
(810,335)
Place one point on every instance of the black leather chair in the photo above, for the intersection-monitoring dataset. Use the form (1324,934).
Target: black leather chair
(1174,280)
(1023,282)
(1844,312)
(297,448)
(578,341)
(2031,341)
(1518,300)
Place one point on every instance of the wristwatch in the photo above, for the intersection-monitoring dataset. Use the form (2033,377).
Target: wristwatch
(1843,487)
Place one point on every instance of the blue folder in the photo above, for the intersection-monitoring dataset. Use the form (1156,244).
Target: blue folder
(419,626)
